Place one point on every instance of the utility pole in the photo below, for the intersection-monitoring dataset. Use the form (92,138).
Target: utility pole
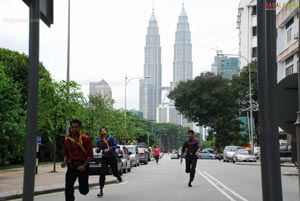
(298,113)
(68,69)
(267,82)
(37,10)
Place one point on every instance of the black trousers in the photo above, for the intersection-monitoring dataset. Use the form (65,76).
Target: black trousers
(190,165)
(156,158)
(113,163)
(83,180)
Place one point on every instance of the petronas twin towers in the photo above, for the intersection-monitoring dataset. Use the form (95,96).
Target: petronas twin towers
(151,88)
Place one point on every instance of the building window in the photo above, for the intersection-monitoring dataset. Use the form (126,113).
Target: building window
(289,23)
(253,10)
(254,52)
(289,70)
(289,60)
(289,35)
(254,31)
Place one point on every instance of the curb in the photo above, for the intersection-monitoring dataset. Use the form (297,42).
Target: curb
(18,195)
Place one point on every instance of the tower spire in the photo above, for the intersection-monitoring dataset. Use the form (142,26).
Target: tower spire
(153,14)
(183,10)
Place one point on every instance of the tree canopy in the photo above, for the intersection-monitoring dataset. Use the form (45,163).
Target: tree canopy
(210,101)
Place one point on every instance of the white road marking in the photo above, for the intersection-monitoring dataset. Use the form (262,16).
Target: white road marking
(216,183)
(234,193)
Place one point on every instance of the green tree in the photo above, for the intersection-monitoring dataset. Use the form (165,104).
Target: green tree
(240,85)
(16,67)
(99,113)
(210,101)
(11,121)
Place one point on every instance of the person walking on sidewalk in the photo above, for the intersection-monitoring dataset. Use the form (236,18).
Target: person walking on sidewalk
(156,153)
(191,147)
(78,152)
(108,145)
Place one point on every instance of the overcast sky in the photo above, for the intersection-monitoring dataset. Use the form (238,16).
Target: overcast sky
(108,38)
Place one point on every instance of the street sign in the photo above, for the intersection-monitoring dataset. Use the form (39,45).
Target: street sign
(38,140)
(46,10)
(287,99)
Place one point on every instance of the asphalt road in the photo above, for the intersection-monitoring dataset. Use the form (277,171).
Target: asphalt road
(167,181)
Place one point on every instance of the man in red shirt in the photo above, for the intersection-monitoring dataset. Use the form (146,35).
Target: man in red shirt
(78,153)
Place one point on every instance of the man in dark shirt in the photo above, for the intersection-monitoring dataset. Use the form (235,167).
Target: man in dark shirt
(108,145)
(77,155)
(191,147)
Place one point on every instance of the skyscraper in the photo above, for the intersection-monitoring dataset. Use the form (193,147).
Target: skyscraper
(182,65)
(182,70)
(150,89)
(100,88)
(226,66)
(247,25)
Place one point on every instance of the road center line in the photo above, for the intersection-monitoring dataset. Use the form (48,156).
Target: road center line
(219,189)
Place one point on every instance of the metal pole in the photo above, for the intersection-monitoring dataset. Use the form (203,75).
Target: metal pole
(125,126)
(251,110)
(68,66)
(298,113)
(268,123)
(33,79)
(248,118)
(125,101)
(68,53)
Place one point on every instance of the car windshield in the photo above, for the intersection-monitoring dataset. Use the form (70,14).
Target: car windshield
(243,152)
(232,148)
(131,149)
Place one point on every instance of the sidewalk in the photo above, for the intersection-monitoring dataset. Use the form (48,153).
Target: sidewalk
(46,181)
(291,171)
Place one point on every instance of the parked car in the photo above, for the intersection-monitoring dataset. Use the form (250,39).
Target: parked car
(228,152)
(96,164)
(151,153)
(174,154)
(220,155)
(207,154)
(124,155)
(243,155)
(134,156)
(146,149)
(142,156)
(285,151)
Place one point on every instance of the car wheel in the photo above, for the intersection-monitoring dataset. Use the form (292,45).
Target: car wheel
(125,169)
(129,169)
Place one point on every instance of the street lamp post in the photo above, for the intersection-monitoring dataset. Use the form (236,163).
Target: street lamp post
(250,97)
(68,67)
(125,106)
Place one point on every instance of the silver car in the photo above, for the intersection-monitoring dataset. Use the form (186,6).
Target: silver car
(243,155)
(207,154)
(134,156)
(229,152)
(123,154)
(142,156)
